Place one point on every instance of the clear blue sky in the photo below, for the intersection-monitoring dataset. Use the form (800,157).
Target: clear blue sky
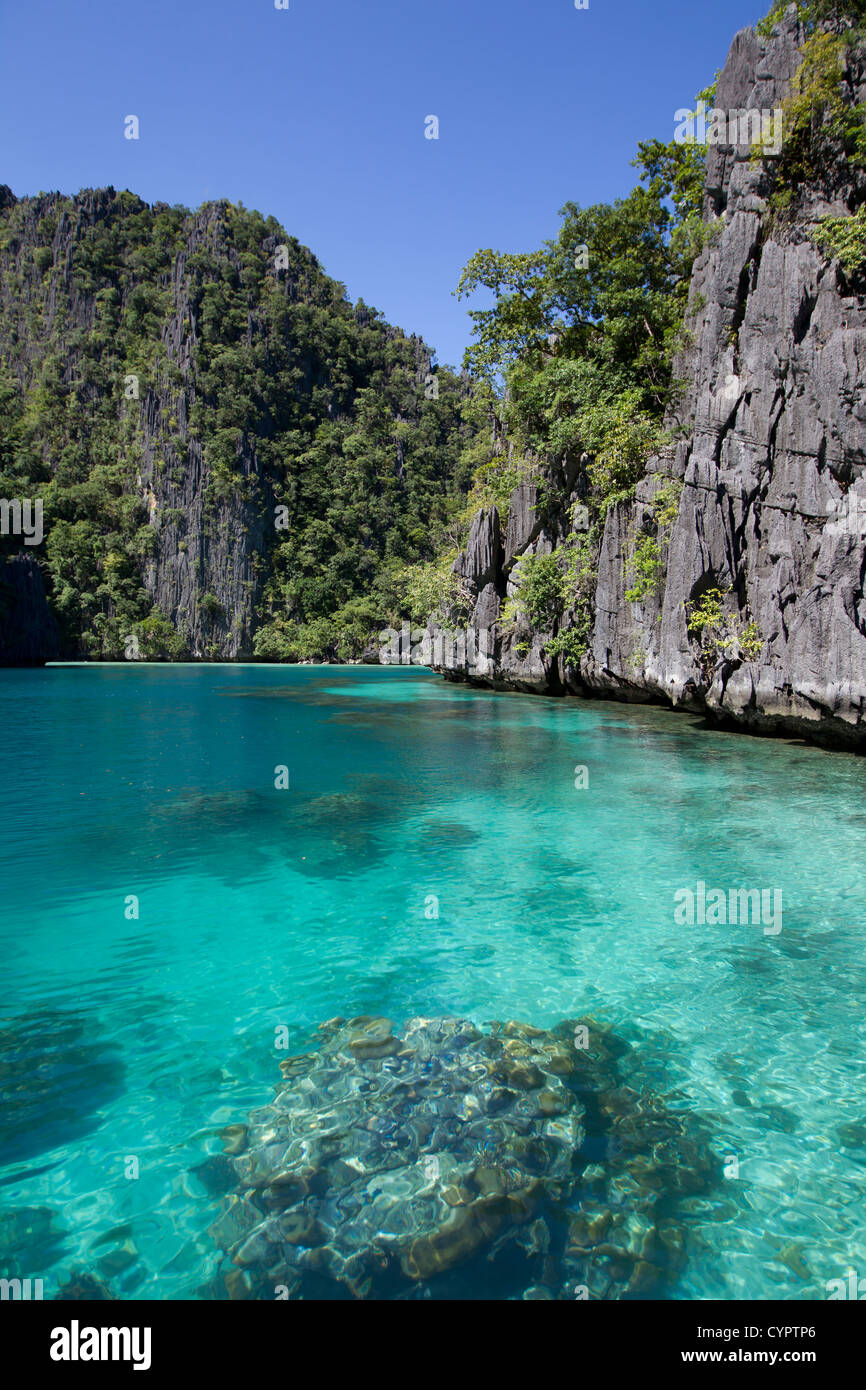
(316,115)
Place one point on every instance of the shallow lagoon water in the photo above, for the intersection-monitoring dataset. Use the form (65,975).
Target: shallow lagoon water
(124,1037)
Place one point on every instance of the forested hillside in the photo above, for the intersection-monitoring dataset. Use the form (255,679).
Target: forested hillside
(233,458)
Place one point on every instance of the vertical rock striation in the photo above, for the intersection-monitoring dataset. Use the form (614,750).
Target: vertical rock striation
(770,453)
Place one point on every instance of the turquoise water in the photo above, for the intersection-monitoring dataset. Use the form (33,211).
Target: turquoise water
(126,1037)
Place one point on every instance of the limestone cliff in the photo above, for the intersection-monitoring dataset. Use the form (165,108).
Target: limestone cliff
(221,439)
(769,448)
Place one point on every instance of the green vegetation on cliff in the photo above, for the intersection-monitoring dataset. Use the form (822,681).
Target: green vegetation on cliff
(234,459)
(582,335)
(835,14)
(168,378)
(581,340)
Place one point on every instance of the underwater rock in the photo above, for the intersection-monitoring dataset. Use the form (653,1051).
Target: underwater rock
(215,1173)
(116,1261)
(83,1287)
(448,1161)
(339,808)
(57,1074)
(852,1136)
(29,1241)
(446,835)
(234,1139)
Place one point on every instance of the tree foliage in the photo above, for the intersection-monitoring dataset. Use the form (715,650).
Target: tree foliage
(581,335)
(294,397)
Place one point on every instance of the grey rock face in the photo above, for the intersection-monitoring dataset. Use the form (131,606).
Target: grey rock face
(523,523)
(481,561)
(771,459)
(28,632)
(210,552)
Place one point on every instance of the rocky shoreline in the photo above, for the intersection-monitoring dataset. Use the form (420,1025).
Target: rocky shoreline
(764,481)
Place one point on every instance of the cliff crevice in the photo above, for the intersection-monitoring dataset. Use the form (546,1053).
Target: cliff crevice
(768,444)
